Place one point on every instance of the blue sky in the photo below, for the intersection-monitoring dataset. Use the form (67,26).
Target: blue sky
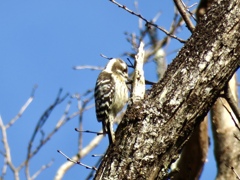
(40,42)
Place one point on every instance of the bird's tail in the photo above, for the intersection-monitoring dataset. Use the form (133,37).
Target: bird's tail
(108,128)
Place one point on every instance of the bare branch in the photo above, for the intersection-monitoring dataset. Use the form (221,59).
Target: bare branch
(182,9)
(104,56)
(42,169)
(236,124)
(232,103)
(91,174)
(38,128)
(97,155)
(155,46)
(237,176)
(23,108)
(4,169)
(88,131)
(138,89)
(76,162)
(87,67)
(5,141)
(131,64)
(190,12)
(59,124)
(148,23)
(236,137)
(82,108)
(44,118)
(64,119)
(7,154)
(233,170)
(177,22)
(66,166)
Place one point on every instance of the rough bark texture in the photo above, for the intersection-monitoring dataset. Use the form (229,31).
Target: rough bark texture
(194,153)
(226,146)
(152,132)
(203,7)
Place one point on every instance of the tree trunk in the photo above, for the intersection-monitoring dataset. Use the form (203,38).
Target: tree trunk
(153,131)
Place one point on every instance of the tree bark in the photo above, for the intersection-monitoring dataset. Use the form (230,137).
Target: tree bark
(153,131)
(194,153)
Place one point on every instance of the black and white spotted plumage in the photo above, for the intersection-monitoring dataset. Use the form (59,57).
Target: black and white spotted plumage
(111,94)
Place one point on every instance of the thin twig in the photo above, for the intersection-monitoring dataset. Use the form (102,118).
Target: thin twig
(38,128)
(131,64)
(104,56)
(91,174)
(236,124)
(23,108)
(232,103)
(59,124)
(97,155)
(4,169)
(177,22)
(76,162)
(88,131)
(233,170)
(82,104)
(153,50)
(190,12)
(87,67)
(7,154)
(236,137)
(44,118)
(148,23)
(42,169)
(182,10)
(67,165)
